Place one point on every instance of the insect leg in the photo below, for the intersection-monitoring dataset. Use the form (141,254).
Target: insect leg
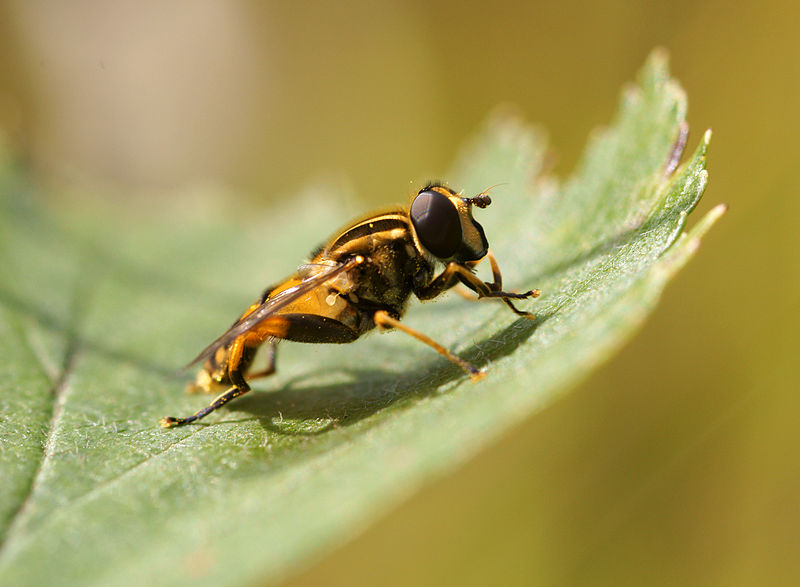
(496,285)
(441,283)
(455,272)
(384,320)
(485,290)
(489,290)
(270,368)
(221,400)
(240,387)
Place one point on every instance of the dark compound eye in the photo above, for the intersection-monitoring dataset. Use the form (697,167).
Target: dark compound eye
(437,223)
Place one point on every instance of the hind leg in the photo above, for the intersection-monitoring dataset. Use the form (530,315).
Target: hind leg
(237,378)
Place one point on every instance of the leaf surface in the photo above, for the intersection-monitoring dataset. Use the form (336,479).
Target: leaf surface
(99,308)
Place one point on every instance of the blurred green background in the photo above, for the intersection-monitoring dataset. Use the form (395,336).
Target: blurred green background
(676,462)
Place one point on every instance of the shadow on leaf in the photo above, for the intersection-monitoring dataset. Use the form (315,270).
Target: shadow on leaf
(372,390)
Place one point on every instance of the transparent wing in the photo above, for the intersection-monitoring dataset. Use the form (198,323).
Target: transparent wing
(273,304)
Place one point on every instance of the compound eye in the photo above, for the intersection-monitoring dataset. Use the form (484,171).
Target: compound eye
(437,223)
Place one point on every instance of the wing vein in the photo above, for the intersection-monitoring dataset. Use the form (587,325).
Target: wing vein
(273,305)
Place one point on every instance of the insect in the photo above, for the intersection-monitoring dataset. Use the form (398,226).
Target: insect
(360,279)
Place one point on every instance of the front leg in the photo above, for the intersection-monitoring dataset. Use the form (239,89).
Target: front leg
(440,284)
(455,273)
(496,285)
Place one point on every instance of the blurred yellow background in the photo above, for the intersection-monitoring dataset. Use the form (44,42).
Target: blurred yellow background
(676,462)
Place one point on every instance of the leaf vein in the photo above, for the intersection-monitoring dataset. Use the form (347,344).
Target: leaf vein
(58,393)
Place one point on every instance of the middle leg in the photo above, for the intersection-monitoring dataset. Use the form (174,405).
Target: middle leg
(384,320)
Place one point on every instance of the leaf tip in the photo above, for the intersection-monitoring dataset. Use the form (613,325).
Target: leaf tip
(658,58)
(706,140)
(702,150)
(656,68)
(717,212)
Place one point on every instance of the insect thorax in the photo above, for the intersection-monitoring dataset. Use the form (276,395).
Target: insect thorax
(394,264)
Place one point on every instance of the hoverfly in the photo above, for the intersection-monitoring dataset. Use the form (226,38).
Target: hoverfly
(359,279)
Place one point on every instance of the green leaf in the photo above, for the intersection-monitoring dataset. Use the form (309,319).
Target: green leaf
(100,306)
